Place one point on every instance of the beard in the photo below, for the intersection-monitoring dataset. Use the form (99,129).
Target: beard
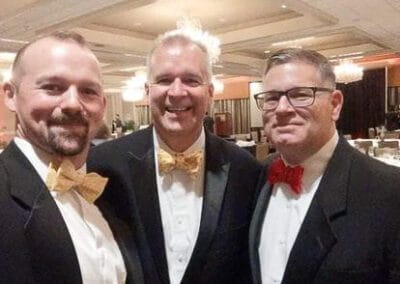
(68,134)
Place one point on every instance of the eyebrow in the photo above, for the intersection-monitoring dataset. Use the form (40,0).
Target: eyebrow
(90,83)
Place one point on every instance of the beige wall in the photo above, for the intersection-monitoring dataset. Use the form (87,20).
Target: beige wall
(394,76)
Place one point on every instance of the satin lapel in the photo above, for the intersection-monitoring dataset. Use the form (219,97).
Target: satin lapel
(256,228)
(49,241)
(149,225)
(124,236)
(316,236)
(216,178)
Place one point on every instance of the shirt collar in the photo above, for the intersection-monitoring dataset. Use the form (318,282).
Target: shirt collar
(315,165)
(199,144)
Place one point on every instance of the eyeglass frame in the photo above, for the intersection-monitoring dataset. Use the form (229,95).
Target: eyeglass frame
(285,93)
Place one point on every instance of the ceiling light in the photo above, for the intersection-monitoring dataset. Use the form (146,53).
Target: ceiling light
(7,56)
(218,85)
(134,88)
(347,72)
(283,6)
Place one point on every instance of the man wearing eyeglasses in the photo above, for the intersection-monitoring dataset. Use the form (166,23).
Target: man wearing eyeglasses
(326,213)
(188,194)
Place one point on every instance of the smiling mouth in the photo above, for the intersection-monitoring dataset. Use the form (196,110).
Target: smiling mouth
(177,109)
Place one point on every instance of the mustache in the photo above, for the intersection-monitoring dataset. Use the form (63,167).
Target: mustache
(69,118)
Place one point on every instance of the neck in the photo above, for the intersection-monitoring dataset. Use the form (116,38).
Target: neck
(178,143)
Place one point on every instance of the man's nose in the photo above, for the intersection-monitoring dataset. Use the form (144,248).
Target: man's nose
(177,88)
(71,99)
(284,105)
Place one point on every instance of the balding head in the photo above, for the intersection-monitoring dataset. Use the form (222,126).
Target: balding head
(17,69)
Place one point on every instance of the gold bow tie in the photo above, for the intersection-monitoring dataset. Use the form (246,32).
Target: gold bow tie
(89,186)
(188,162)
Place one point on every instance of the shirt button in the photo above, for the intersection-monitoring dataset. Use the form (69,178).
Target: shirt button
(180,258)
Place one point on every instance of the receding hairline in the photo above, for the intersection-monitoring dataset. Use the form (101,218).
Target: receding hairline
(60,36)
(183,41)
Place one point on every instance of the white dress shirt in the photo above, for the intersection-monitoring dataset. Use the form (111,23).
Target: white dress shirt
(181,200)
(285,214)
(99,257)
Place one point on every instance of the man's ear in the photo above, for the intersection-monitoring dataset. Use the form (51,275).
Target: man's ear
(10,92)
(337,103)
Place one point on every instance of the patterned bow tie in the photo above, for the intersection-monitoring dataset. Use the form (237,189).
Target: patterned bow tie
(190,163)
(279,172)
(89,186)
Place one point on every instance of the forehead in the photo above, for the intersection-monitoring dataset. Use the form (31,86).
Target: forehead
(55,56)
(177,58)
(290,75)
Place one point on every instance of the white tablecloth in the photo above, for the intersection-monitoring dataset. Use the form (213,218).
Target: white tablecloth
(374,141)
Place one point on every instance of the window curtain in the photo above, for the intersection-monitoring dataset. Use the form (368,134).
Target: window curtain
(142,115)
(364,104)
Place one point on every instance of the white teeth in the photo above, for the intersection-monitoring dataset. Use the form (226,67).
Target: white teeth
(172,109)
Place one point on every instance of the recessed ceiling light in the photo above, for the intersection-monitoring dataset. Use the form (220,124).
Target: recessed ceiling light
(267,51)
(283,6)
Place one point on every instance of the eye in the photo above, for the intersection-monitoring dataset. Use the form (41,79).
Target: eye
(52,88)
(271,97)
(192,82)
(301,94)
(89,91)
(164,81)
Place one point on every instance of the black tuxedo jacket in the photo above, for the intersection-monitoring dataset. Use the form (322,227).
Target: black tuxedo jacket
(221,250)
(351,232)
(37,244)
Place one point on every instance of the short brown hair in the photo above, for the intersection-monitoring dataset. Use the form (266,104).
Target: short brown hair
(307,56)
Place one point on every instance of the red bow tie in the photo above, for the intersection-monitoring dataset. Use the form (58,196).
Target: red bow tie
(278,172)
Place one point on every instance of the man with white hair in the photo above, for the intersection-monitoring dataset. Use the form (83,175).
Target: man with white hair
(188,194)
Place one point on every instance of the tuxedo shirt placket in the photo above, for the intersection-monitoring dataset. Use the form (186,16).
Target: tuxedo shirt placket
(181,199)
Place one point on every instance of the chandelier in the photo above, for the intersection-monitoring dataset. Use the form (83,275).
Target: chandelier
(347,72)
(218,85)
(133,90)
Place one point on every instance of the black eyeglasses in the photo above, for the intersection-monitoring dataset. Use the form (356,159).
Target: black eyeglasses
(297,97)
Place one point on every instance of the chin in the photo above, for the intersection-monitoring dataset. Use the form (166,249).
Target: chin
(287,140)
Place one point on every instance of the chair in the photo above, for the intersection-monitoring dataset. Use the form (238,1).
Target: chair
(391,135)
(388,144)
(364,145)
(385,152)
(371,133)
